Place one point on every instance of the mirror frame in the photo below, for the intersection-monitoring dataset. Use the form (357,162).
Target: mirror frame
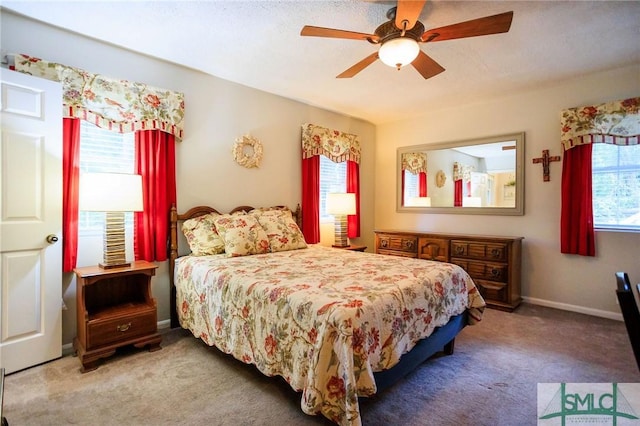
(518,210)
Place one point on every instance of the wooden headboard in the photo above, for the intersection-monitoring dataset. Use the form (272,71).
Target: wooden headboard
(174,249)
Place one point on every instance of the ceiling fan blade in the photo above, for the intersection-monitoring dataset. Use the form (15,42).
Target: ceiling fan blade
(426,66)
(359,66)
(476,27)
(312,31)
(408,10)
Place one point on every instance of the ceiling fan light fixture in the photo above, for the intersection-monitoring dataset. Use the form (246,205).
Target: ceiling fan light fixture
(399,52)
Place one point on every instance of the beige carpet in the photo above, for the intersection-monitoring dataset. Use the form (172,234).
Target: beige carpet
(490,380)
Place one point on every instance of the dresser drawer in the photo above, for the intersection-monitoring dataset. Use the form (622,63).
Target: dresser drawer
(484,270)
(493,290)
(397,253)
(406,244)
(479,250)
(433,249)
(110,330)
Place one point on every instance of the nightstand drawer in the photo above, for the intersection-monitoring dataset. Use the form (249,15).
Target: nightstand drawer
(109,330)
(478,250)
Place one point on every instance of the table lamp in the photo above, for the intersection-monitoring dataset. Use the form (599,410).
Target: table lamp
(114,194)
(340,205)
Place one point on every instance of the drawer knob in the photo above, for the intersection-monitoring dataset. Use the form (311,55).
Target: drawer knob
(495,253)
(459,250)
(495,272)
(124,327)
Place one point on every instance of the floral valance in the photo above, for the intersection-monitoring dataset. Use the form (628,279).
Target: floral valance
(462,171)
(112,104)
(616,123)
(414,162)
(333,144)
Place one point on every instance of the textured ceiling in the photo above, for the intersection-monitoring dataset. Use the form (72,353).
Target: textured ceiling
(258,44)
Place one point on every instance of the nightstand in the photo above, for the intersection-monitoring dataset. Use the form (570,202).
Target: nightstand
(353,247)
(114,308)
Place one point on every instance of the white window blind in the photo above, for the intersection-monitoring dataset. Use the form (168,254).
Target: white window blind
(103,151)
(410,185)
(616,186)
(333,178)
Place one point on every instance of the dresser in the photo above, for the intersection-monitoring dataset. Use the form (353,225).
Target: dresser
(494,263)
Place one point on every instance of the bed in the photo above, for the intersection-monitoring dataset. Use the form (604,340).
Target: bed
(337,325)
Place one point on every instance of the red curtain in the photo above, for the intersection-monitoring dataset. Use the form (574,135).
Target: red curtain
(404,201)
(457,193)
(576,218)
(70,191)
(353,186)
(155,161)
(311,199)
(422,185)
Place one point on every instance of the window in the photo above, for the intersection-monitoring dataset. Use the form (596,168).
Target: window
(103,151)
(616,186)
(333,178)
(410,185)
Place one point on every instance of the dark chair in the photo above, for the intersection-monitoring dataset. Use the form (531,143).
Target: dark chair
(3,420)
(630,311)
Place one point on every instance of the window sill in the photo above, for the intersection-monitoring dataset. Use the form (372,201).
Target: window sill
(616,229)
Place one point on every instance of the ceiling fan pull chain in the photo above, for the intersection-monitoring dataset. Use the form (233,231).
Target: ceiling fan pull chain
(404,27)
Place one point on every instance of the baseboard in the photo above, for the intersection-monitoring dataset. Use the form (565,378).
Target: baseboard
(574,308)
(68,348)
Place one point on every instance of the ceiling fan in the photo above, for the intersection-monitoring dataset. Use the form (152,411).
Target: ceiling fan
(399,37)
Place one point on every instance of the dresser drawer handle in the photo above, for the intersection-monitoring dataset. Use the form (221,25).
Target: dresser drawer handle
(459,250)
(495,272)
(123,327)
(495,253)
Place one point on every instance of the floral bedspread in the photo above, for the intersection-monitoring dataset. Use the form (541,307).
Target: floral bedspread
(324,319)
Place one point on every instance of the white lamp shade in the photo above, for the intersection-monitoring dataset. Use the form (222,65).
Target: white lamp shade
(420,202)
(110,192)
(471,202)
(341,204)
(399,52)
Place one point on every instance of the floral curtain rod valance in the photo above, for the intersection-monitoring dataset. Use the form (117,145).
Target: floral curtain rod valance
(462,171)
(117,105)
(333,144)
(414,162)
(616,123)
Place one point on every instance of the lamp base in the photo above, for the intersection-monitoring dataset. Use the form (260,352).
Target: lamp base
(340,234)
(114,255)
(115,265)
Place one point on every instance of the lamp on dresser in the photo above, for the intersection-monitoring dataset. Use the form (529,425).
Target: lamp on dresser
(114,194)
(340,205)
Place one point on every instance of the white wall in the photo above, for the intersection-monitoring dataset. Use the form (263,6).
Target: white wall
(217,112)
(549,277)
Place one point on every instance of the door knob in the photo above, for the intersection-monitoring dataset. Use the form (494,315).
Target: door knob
(52,238)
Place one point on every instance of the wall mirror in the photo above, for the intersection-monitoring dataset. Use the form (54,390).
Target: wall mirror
(477,176)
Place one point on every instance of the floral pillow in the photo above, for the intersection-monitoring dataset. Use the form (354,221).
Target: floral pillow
(282,230)
(242,235)
(202,236)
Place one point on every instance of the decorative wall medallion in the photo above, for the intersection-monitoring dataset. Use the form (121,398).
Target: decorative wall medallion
(441,178)
(247,152)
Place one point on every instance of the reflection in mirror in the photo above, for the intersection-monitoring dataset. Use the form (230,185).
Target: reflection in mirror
(483,176)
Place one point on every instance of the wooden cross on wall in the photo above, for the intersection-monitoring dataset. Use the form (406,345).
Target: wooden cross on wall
(546,159)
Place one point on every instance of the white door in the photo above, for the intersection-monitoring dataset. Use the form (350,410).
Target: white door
(30,212)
